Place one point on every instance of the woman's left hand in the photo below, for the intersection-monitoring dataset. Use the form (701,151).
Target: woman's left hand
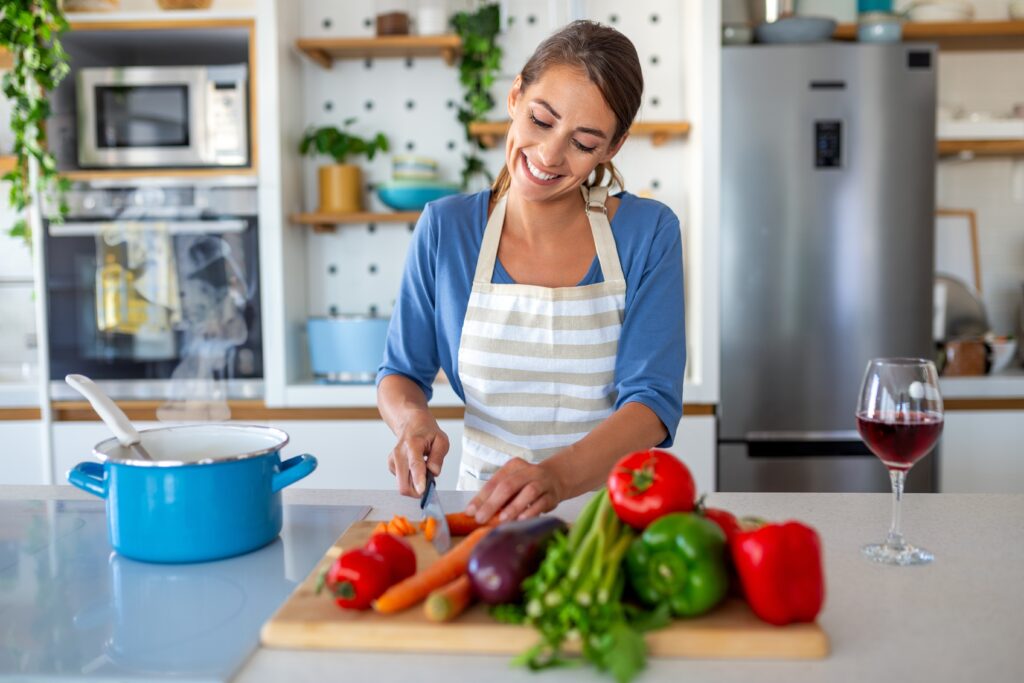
(517,491)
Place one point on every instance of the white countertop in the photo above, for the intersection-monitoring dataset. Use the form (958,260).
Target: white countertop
(1007,384)
(955,620)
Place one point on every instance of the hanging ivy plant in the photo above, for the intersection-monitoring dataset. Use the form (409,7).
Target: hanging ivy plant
(30,31)
(478,68)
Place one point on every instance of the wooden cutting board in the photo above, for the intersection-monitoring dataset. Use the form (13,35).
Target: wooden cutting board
(310,621)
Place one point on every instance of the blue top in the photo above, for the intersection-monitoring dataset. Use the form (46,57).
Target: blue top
(426,325)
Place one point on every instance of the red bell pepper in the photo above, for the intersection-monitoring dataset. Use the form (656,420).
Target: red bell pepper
(781,571)
(397,554)
(356,578)
(646,485)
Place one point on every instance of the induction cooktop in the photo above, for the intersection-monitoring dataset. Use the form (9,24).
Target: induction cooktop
(70,607)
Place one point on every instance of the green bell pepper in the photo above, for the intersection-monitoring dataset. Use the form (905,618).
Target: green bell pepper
(679,559)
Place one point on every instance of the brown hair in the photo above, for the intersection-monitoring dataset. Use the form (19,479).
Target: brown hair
(609,60)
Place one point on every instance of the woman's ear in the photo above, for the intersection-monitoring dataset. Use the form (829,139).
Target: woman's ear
(614,149)
(513,94)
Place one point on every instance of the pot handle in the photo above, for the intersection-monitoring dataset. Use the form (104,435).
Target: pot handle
(291,470)
(88,476)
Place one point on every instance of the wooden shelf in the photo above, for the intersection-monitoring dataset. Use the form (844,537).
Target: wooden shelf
(660,132)
(324,51)
(327,222)
(956,35)
(7,163)
(129,174)
(981,147)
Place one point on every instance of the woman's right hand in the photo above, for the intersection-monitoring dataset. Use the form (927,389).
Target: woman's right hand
(420,437)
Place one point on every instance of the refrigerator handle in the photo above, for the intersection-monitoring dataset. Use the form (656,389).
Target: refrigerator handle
(834,435)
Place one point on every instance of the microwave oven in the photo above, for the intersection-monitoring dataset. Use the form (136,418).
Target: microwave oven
(163,117)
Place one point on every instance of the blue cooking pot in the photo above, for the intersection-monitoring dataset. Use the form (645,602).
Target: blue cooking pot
(210,491)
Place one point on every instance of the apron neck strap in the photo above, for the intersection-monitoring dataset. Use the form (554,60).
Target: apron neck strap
(597,214)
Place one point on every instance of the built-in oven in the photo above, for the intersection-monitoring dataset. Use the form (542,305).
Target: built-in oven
(163,117)
(156,282)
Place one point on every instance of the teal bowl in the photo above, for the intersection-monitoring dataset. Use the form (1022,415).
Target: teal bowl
(413,195)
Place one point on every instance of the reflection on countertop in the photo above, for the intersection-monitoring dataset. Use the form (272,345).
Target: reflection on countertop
(70,607)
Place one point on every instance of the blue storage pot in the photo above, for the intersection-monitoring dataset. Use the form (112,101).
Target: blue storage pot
(413,195)
(348,348)
(211,491)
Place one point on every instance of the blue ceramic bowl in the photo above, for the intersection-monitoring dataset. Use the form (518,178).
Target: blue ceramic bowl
(413,195)
(211,491)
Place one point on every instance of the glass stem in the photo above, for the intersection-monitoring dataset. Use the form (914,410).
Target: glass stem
(895,539)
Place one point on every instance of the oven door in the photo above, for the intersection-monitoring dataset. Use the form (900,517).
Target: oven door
(149,299)
(142,117)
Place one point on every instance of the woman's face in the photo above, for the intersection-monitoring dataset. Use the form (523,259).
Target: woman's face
(561,130)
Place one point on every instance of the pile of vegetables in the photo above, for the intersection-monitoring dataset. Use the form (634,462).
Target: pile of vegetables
(643,551)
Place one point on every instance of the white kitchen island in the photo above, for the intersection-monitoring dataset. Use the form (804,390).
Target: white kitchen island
(958,619)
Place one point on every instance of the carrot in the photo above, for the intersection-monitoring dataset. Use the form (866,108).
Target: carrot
(450,601)
(381,528)
(394,528)
(417,587)
(405,525)
(429,528)
(461,524)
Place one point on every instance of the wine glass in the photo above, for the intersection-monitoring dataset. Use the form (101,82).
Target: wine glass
(899,416)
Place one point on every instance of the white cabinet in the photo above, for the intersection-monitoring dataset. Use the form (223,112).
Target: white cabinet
(21,461)
(695,445)
(982,452)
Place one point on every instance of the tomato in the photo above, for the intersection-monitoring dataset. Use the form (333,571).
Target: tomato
(648,484)
(397,554)
(357,578)
(725,520)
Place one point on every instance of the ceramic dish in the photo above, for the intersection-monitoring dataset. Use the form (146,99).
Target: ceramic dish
(413,195)
(796,30)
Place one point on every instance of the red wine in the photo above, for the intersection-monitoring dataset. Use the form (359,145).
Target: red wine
(900,439)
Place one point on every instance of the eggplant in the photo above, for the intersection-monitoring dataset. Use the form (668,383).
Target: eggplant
(507,555)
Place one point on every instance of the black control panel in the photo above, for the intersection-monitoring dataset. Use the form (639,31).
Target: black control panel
(828,144)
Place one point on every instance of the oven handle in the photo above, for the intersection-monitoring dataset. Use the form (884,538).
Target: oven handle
(174,227)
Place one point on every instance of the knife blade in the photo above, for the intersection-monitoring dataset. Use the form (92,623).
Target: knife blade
(430,503)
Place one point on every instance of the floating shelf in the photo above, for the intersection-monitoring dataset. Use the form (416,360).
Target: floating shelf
(660,132)
(981,147)
(158,173)
(324,51)
(326,222)
(956,35)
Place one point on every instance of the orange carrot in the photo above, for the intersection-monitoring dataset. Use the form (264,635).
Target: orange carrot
(448,602)
(461,524)
(405,525)
(417,587)
(394,528)
(430,528)
(381,528)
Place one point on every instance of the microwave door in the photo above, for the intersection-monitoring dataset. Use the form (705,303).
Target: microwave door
(142,117)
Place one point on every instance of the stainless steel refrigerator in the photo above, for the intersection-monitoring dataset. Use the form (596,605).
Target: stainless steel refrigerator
(828,202)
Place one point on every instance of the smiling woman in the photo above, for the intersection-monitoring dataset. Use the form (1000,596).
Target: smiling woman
(555,309)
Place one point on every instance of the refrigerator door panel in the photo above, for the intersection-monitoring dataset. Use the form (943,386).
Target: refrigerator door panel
(747,467)
(828,202)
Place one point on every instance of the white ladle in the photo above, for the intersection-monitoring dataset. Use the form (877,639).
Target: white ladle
(111,415)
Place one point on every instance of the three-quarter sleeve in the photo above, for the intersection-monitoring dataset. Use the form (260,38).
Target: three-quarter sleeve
(651,357)
(411,346)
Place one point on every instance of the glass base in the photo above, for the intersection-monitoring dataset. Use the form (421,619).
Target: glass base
(901,555)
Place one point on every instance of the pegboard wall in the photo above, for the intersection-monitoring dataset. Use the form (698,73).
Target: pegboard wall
(414,102)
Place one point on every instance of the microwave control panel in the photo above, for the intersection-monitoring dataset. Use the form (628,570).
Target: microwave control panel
(227,115)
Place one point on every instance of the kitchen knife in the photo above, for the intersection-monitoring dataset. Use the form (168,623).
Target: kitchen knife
(430,503)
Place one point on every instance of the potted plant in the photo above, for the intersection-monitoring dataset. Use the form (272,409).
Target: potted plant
(341,183)
(30,31)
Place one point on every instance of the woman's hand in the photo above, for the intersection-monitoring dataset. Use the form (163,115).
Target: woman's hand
(421,436)
(517,491)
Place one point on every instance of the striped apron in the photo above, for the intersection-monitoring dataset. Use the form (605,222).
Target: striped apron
(537,364)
